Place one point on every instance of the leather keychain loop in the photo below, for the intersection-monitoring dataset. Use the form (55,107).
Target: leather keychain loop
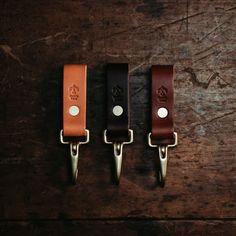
(74,111)
(162,135)
(118,132)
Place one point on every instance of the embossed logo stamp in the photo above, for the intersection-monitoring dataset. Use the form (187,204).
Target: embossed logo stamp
(117,93)
(162,93)
(74,92)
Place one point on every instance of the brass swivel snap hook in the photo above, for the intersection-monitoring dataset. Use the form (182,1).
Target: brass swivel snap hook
(74,152)
(162,153)
(118,151)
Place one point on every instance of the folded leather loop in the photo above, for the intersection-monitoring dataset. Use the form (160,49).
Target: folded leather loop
(162,136)
(74,112)
(74,100)
(162,100)
(117,102)
(118,132)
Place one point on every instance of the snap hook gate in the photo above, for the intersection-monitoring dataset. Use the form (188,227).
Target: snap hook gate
(74,152)
(162,156)
(118,151)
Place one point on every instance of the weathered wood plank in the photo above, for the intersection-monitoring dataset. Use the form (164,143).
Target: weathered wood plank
(38,37)
(130,228)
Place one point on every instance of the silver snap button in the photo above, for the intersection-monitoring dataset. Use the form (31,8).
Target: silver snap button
(162,112)
(74,110)
(117,110)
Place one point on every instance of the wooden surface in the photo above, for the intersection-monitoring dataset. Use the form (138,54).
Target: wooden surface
(117,228)
(37,38)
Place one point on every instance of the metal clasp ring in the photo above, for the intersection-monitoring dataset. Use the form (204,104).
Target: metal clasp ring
(162,152)
(118,151)
(74,152)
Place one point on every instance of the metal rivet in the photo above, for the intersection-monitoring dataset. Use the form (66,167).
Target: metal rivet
(74,110)
(162,112)
(117,110)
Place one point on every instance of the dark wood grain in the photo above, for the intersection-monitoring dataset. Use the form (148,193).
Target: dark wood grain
(38,37)
(129,228)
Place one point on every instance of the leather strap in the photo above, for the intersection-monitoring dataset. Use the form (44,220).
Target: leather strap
(117,102)
(74,100)
(162,97)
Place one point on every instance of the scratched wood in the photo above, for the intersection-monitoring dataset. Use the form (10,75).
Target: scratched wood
(38,37)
